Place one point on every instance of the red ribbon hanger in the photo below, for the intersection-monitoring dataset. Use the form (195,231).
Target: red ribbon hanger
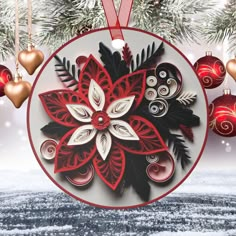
(116,21)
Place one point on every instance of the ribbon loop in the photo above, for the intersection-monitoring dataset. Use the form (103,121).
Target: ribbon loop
(124,12)
(114,20)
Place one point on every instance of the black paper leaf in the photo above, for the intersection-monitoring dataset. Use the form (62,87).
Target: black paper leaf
(136,176)
(132,65)
(69,79)
(180,115)
(180,150)
(158,123)
(148,59)
(54,130)
(115,66)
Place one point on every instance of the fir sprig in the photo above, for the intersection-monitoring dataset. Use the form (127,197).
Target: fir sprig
(67,73)
(57,21)
(113,63)
(171,19)
(7,28)
(61,21)
(180,150)
(221,25)
(149,58)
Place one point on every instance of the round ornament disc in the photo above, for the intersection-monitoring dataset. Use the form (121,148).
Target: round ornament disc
(110,109)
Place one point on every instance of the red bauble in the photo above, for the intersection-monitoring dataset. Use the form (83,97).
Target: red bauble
(222,115)
(211,71)
(5,77)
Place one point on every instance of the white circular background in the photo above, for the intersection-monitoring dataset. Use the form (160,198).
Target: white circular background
(98,193)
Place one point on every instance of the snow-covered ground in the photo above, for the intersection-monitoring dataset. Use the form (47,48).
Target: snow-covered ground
(55,214)
(205,205)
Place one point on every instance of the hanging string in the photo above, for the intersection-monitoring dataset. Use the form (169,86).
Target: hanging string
(30,23)
(124,12)
(17,37)
(226,83)
(225,59)
(112,19)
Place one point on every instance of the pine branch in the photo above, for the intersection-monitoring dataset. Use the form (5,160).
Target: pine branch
(221,25)
(232,43)
(179,149)
(149,58)
(179,114)
(87,3)
(58,21)
(63,19)
(187,98)
(171,19)
(67,73)
(115,66)
(7,28)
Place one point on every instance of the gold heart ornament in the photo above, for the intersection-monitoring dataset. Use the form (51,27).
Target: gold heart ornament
(17,91)
(231,68)
(31,59)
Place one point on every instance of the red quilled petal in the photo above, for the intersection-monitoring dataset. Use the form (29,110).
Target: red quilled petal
(130,85)
(94,70)
(111,170)
(72,157)
(54,103)
(150,140)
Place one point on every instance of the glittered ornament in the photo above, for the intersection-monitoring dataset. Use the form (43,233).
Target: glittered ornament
(211,71)
(5,77)
(222,115)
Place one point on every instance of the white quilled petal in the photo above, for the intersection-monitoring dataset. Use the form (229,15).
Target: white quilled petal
(122,130)
(103,143)
(96,96)
(120,107)
(80,112)
(82,135)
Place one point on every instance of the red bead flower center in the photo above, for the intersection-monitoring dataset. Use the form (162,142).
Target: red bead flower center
(100,120)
